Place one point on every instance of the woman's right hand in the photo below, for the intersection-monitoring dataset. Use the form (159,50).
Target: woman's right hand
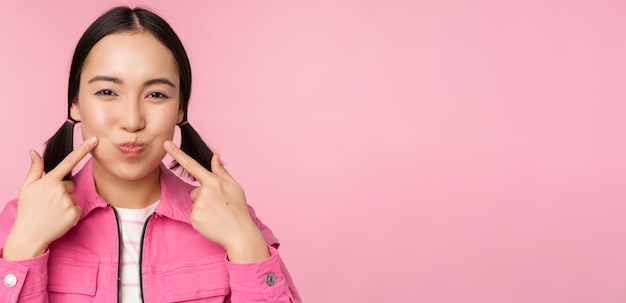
(46,210)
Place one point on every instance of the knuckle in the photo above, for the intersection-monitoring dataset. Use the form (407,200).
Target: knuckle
(77,213)
(59,190)
(195,217)
(34,169)
(194,224)
(213,182)
(67,203)
(206,190)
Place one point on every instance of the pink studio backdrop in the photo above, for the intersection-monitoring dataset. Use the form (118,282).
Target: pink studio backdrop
(403,151)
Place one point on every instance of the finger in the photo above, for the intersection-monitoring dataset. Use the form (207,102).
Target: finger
(194,194)
(69,186)
(188,163)
(79,211)
(73,158)
(218,168)
(36,168)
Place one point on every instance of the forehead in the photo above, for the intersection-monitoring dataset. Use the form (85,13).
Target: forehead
(131,57)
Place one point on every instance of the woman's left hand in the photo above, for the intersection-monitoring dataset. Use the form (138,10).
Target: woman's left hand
(220,212)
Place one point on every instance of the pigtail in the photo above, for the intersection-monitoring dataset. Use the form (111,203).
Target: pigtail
(58,147)
(193,145)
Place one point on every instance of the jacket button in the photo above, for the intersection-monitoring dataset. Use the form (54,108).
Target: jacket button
(270,279)
(10,280)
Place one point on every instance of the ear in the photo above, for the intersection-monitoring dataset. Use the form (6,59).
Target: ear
(181,115)
(75,111)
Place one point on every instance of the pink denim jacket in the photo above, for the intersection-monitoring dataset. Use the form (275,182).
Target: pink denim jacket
(177,263)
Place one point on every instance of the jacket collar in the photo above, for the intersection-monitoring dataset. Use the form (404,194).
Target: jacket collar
(175,202)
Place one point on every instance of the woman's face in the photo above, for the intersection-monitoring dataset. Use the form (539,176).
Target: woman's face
(129,98)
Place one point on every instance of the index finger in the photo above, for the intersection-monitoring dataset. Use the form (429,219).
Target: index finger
(73,158)
(188,163)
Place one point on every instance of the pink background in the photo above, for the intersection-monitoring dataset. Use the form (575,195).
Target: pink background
(403,151)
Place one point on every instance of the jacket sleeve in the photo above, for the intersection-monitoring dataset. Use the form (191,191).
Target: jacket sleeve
(265,281)
(22,281)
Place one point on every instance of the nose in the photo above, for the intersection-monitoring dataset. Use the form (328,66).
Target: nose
(132,117)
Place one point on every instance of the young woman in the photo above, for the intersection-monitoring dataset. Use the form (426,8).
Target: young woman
(126,228)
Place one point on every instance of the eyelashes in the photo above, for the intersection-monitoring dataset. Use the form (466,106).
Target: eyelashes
(106,92)
(110,93)
(157,95)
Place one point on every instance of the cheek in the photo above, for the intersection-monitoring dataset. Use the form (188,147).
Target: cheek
(94,121)
(165,130)
(164,121)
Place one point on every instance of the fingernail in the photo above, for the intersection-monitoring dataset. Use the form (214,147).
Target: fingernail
(168,145)
(92,140)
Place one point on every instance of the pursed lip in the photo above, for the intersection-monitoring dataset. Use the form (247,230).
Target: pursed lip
(131,148)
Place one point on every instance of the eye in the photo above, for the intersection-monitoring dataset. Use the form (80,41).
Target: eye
(157,95)
(106,92)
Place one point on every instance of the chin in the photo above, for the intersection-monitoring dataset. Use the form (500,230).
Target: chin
(133,172)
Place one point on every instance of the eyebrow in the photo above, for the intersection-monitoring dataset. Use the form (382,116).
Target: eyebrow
(119,81)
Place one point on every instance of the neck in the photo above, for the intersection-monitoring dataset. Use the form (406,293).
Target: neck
(125,193)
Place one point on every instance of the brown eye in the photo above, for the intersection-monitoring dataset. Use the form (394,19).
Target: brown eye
(105,92)
(157,95)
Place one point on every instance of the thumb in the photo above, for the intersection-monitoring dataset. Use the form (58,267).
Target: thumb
(218,168)
(36,168)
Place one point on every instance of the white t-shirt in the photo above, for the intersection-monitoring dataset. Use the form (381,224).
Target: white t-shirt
(132,222)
